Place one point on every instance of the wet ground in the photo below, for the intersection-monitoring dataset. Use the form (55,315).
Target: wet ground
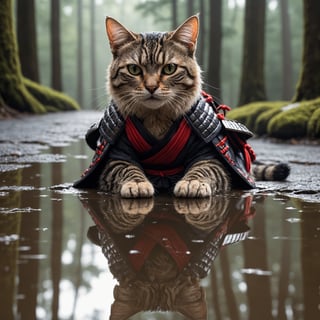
(248,255)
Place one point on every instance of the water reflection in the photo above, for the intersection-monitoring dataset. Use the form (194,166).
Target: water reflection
(160,251)
(49,269)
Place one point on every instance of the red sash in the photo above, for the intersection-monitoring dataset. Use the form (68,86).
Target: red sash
(167,154)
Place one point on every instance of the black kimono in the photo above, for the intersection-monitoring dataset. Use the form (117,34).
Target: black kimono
(201,134)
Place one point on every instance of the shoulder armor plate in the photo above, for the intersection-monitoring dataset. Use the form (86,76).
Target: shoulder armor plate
(111,123)
(204,120)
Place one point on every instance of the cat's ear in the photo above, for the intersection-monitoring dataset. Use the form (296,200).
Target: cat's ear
(118,35)
(187,33)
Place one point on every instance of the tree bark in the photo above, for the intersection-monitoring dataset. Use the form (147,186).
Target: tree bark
(12,88)
(174,19)
(93,54)
(287,91)
(27,39)
(252,86)
(190,8)
(17,92)
(79,55)
(309,84)
(56,79)
(201,38)
(215,30)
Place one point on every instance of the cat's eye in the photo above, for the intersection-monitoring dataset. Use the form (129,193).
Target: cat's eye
(169,68)
(134,69)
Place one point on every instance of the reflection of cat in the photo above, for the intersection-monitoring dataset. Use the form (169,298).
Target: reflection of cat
(159,257)
(161,131)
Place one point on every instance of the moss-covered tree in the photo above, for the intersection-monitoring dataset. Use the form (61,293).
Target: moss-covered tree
(14,92)
(252,86)
(309,84)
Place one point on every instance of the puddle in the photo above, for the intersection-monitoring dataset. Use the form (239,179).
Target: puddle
(248,255)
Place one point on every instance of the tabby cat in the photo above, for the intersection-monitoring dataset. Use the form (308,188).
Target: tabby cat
(154,80)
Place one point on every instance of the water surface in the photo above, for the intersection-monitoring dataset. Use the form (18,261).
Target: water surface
(246,255)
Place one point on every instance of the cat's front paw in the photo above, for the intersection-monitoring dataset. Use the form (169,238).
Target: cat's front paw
(133,189)
(192,189)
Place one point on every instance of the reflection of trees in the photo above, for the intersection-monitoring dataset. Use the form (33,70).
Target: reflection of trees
(254,296)
(56,235)
(29,270)
(255,257)
(284,267)
(77,259)
(310,260)
(227,284)
(215,293)
(9,227)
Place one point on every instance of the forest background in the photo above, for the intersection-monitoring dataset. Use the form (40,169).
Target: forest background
(85,50)
(264,51)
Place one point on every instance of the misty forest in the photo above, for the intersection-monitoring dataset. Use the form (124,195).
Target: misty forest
(266,51)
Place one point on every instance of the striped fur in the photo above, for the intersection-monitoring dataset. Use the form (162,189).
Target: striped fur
(270,172)
(125,178)
(203,179)
(152,89)
(155,77)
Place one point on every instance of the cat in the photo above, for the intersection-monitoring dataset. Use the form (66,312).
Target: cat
(155,81)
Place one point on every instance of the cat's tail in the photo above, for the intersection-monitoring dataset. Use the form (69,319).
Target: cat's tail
(270,172)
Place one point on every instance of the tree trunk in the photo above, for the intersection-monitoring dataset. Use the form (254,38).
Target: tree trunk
(215,30)
(27,39)
(17,92)
(252,86)
(56,79)
(174,7)
(190,8)
(201,38)
(93,54)
(309,84)
(287,88)
(80,55)
(12,88)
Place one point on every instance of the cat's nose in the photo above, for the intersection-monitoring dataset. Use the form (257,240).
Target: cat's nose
(151,89)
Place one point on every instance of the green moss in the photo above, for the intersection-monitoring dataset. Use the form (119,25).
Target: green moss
(248,114)
(16,96)
(313,129)
(51,99)
(293,123)
(261,125)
